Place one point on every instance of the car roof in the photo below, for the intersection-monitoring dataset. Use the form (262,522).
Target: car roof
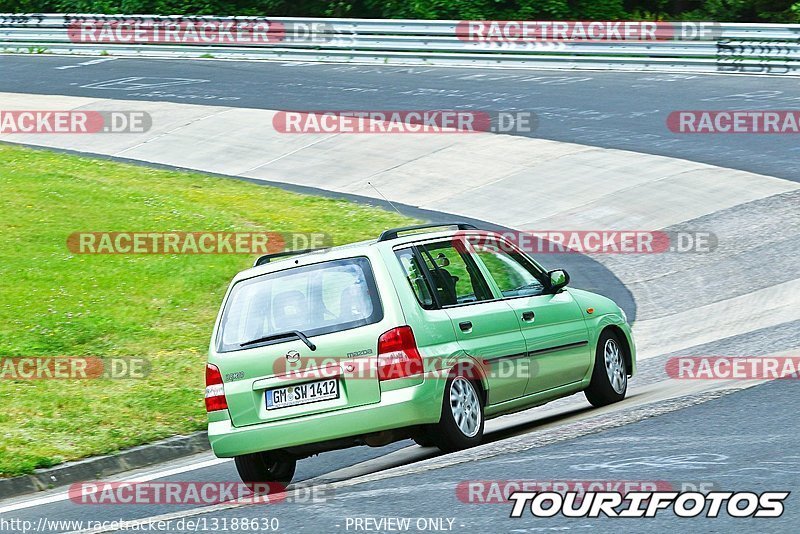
(388,239)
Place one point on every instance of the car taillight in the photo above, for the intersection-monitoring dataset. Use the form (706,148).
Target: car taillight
(215,390)
(397,354)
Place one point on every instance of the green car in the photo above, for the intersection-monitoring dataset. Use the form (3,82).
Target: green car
(423,333)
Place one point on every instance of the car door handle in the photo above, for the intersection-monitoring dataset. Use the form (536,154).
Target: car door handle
(528,316)
(465,326)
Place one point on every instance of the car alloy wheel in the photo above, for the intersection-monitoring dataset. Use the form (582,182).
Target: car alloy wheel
(615,365)
(465,406)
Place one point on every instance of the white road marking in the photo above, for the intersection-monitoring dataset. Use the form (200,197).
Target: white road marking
(154,475)
(132,83)
(175,129)
(86,63)
(259,166)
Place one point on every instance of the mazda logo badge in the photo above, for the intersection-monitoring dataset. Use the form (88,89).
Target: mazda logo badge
(292,356)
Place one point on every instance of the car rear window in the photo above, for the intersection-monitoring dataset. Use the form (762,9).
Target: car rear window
(315,299)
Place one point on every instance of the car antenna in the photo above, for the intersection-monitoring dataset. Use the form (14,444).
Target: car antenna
(384,198)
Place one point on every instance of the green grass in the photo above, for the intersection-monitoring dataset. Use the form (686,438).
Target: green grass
(162,307)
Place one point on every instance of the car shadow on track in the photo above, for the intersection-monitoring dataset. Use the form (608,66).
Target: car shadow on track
(414,453)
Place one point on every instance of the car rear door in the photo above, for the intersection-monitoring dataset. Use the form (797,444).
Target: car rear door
(485,328)
(553,325)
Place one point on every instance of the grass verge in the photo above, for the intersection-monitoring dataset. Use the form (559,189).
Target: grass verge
(161,307)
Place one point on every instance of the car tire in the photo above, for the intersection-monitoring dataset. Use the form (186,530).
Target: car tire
(610,373)
(422,437)
(461,423)
(266,467)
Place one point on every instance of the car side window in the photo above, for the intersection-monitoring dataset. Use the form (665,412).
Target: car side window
(514,275)
(415,277)
(453,273)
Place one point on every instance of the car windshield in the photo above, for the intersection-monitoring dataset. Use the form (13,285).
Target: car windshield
(315,299)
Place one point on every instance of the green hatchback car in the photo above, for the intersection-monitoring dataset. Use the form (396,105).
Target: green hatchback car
(423,333)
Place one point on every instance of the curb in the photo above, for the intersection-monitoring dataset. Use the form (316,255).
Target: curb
(100,466)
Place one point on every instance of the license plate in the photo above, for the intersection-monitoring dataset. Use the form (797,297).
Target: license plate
(302,394)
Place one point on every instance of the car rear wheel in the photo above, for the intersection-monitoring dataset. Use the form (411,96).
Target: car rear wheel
(610,375)
(461,424)
(265,467)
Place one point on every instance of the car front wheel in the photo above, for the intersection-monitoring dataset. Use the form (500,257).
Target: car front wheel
(610,375)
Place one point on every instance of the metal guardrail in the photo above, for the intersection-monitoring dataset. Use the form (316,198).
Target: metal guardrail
(745,48)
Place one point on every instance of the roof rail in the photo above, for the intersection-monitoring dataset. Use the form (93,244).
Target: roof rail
(393,233)
(266,258)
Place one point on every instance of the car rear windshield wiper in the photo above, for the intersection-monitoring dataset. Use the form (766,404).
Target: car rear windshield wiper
(289,333)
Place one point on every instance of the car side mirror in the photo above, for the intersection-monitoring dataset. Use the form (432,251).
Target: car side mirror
(559,278)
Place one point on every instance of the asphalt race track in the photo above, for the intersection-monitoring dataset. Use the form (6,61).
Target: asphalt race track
(605,109)
(738,436)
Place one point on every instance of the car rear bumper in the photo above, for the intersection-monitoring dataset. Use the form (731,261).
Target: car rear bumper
(407,406)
